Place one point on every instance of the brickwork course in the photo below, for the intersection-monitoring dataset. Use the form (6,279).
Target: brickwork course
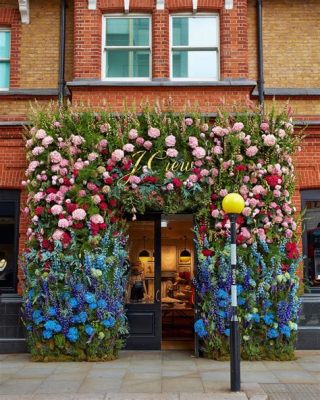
(291,61)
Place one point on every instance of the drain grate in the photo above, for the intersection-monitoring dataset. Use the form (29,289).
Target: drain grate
(292,391)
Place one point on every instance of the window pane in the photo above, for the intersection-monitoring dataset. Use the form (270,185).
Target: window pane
(195,64)
(4,44)
(4,75)
(140,286)
(127,32)
(195,31)
(127,64)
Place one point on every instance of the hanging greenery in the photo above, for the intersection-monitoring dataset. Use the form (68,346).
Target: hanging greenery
(87,169)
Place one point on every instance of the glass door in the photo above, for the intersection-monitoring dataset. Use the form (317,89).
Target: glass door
(143,298)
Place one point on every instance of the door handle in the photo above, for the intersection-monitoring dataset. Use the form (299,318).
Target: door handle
(157,296)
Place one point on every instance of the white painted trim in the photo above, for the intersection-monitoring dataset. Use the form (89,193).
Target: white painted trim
(228,4)
(24,9)
(194,5)
(92,4)
(160,5)
(126,6)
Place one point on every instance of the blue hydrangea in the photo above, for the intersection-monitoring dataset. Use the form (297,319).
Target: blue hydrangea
(241,301)
(223,303)
(82,317)
(89,330)
(227,332)
(73,302)
(47,334)
(222,294)
(272,333)
(222,314)
(285,330)
(102,303)
(37,317)
(93,306)
(239,289)
(200,328)
(49,325)
(89,297)
(255,318)
(109,322)
(268,318)
(72,334)
(52,312)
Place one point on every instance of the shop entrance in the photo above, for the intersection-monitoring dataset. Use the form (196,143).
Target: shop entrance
(159,296)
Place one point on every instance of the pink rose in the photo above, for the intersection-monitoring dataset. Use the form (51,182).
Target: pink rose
(269,140)
(282,133)
(63,223)
(134,179)
(79,214)
(153,132)
(91,186)
(169,175)
(188,121)
(217,150)
(215,213)
(288,233)
(117,155)
(259,189)
(78,164)
(77,140)
(96,219)
(172,153)
(129,148)
(215,172)
(139,141)
(41,133)
(246,211)
(56,209)
(245,232)
(133,134)
(96,199)
(170,141)
(147,145)
(193,142)
(170,186)
(193,178)
(55,157)
(81,193)
(64,162)
(38,150)
(246,179)
(104,128)
(264,126)
(57,235)
(199,152)
(237,127)
(223,192)
(252,151)
(92,156)
(204,127)
(46,141)
(204,172)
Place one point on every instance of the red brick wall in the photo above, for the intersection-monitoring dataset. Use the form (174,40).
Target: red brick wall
(88,35)
(10,17)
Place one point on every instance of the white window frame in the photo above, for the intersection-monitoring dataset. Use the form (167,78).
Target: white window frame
(172,48)
(105,48)
(2,29)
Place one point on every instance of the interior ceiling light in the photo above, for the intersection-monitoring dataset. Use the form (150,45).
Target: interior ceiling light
(185,255)
(144,252)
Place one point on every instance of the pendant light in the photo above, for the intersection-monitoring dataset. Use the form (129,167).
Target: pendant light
(144,253)
(185,255)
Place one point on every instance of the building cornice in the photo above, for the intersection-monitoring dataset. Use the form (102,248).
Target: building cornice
(228,4)
(289,92)
(24,9)
(160,5)
(92,4)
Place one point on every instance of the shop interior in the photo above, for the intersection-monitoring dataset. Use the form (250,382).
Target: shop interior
(177,270)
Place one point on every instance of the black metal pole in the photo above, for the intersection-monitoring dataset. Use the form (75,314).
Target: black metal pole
(234,326)
(260,55)
(63,7)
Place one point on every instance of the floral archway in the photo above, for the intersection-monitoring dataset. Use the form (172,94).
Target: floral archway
(87,169)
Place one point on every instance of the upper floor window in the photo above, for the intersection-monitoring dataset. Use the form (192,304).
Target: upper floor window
(195,47)
(5,37)
(127,47)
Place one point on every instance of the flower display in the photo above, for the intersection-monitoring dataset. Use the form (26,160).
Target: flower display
(88,175)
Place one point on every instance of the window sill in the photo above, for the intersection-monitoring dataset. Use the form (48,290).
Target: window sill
(163,83)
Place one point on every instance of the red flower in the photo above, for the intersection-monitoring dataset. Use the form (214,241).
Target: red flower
(39,210)
(109,168)
(273,180)
(202,228)
(240,220)
(113,203)
(285,268)
(94,228)
(71,207)
(108,181)
(51,190)
(77,225)
(292,250)
(66,181)
(214,197)
(47,266)
(212,207)
(207,252)
(66,239)
(196,171)
(150,179)
(75,172)
(103,225)
(240,238)
(103,206)
(240,168)
(45,244)
(177,182)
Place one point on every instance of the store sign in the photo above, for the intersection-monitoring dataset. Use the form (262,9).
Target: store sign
(143,157)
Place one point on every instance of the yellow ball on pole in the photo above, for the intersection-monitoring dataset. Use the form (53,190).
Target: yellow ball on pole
(233,203)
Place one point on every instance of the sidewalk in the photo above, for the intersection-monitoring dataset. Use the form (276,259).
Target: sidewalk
(166,375)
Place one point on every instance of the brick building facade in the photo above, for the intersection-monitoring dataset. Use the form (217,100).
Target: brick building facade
(33,56)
